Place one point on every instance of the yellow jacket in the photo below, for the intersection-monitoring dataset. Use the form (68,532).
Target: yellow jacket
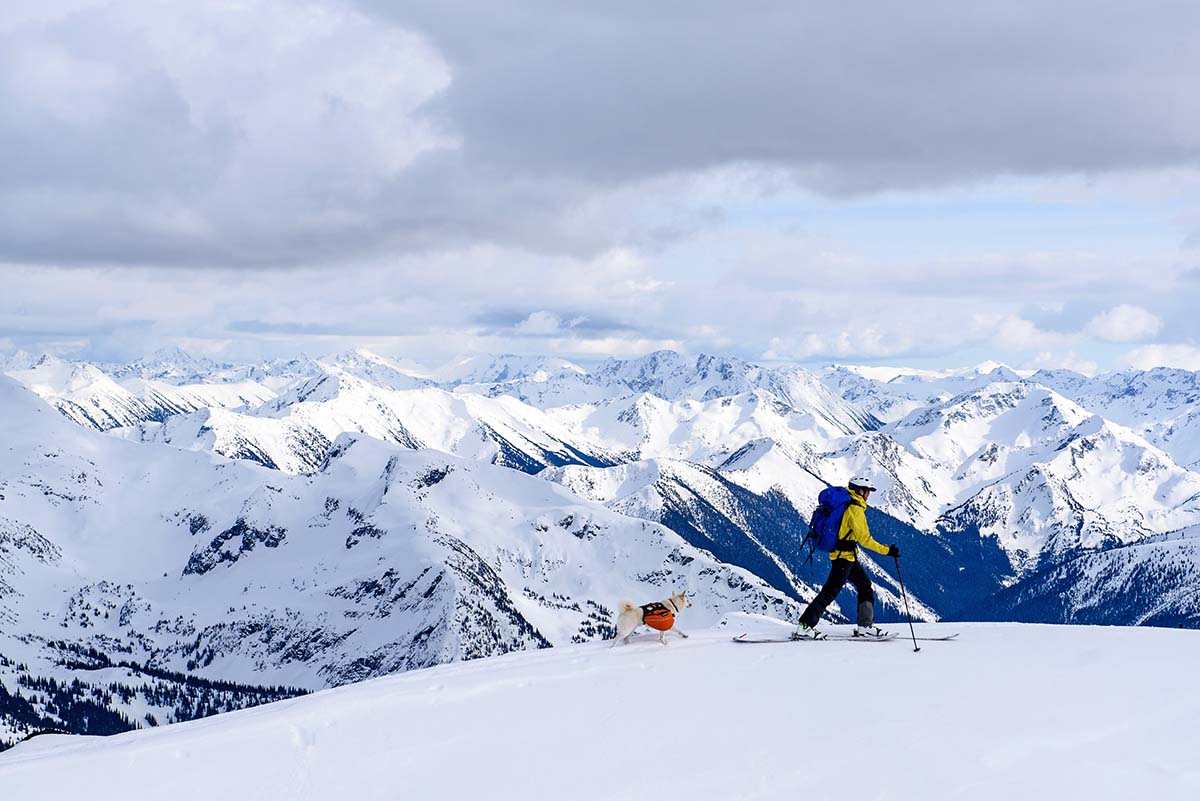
(854,531)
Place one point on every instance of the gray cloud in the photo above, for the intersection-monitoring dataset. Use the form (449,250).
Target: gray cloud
(591,178)
(852,99)
(137,135)
(556,322)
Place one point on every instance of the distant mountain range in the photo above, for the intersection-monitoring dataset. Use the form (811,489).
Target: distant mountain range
(308,522)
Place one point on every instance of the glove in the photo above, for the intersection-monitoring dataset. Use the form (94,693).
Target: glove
(894,550)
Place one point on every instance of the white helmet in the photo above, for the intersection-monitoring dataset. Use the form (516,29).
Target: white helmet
(861,482)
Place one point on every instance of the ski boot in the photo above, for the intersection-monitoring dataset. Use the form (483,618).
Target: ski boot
(869,631)
(807,632)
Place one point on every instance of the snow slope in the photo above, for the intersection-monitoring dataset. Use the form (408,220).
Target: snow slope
(89,396)
(83,393)
(1158,581)
(1162,403)
(759,532)
(172,399)
(295,430)
(171,365)
(1022,465)
(1007,712)
(384,560)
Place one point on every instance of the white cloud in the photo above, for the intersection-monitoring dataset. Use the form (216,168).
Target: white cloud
(1184,357)
(648,285)
(1124,323)
(616,346)
(1062,361)
(867,342)
(253,132)
(1013,332)
(540,323)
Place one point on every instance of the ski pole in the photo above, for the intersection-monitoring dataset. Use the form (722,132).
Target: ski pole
(904,595)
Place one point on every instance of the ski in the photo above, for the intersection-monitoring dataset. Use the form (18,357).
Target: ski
(947,638)
(828,638)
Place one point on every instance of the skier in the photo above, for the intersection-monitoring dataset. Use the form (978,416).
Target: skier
(852,532)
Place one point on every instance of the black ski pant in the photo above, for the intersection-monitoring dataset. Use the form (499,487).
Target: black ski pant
(841,571)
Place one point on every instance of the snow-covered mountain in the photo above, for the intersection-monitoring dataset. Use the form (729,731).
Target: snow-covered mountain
(985,450)
(245,532)
(1006,711)
(177,367)
(377,370)
(278,375)
(705,508)
(171,365)
(83,393)
(761,532)
(1018,463)
(889,394)
(1162,404)
(479,370)
(90,397)
(16,360)
(988,455)
(166,400)
(1159,579)
(385,559)
(1103,486)
(628,422)
(294,431)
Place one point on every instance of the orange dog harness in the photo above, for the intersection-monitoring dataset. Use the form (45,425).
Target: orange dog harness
(658,616)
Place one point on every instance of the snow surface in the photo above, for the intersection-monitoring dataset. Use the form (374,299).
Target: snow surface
(1007,712)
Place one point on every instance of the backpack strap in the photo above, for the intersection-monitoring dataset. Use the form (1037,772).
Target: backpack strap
(811,541)
(810,538)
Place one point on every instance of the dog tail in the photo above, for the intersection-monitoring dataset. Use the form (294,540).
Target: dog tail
(628,606)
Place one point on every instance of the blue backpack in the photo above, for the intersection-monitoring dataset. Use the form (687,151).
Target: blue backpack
(826,520)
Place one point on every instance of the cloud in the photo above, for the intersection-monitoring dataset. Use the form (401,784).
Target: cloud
(619,346)
(262,327)
(898,98)
(406,302)
(151,134)
(265,132)
(540,323)
(1184,357)
(1064,361)
(805,182)
(1008,331)
(1124,323)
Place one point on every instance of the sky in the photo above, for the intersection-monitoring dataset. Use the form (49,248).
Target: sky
(933,184)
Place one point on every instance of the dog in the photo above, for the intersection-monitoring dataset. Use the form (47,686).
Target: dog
(659,615)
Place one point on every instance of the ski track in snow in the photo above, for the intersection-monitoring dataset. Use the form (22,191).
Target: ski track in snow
(1007,712)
